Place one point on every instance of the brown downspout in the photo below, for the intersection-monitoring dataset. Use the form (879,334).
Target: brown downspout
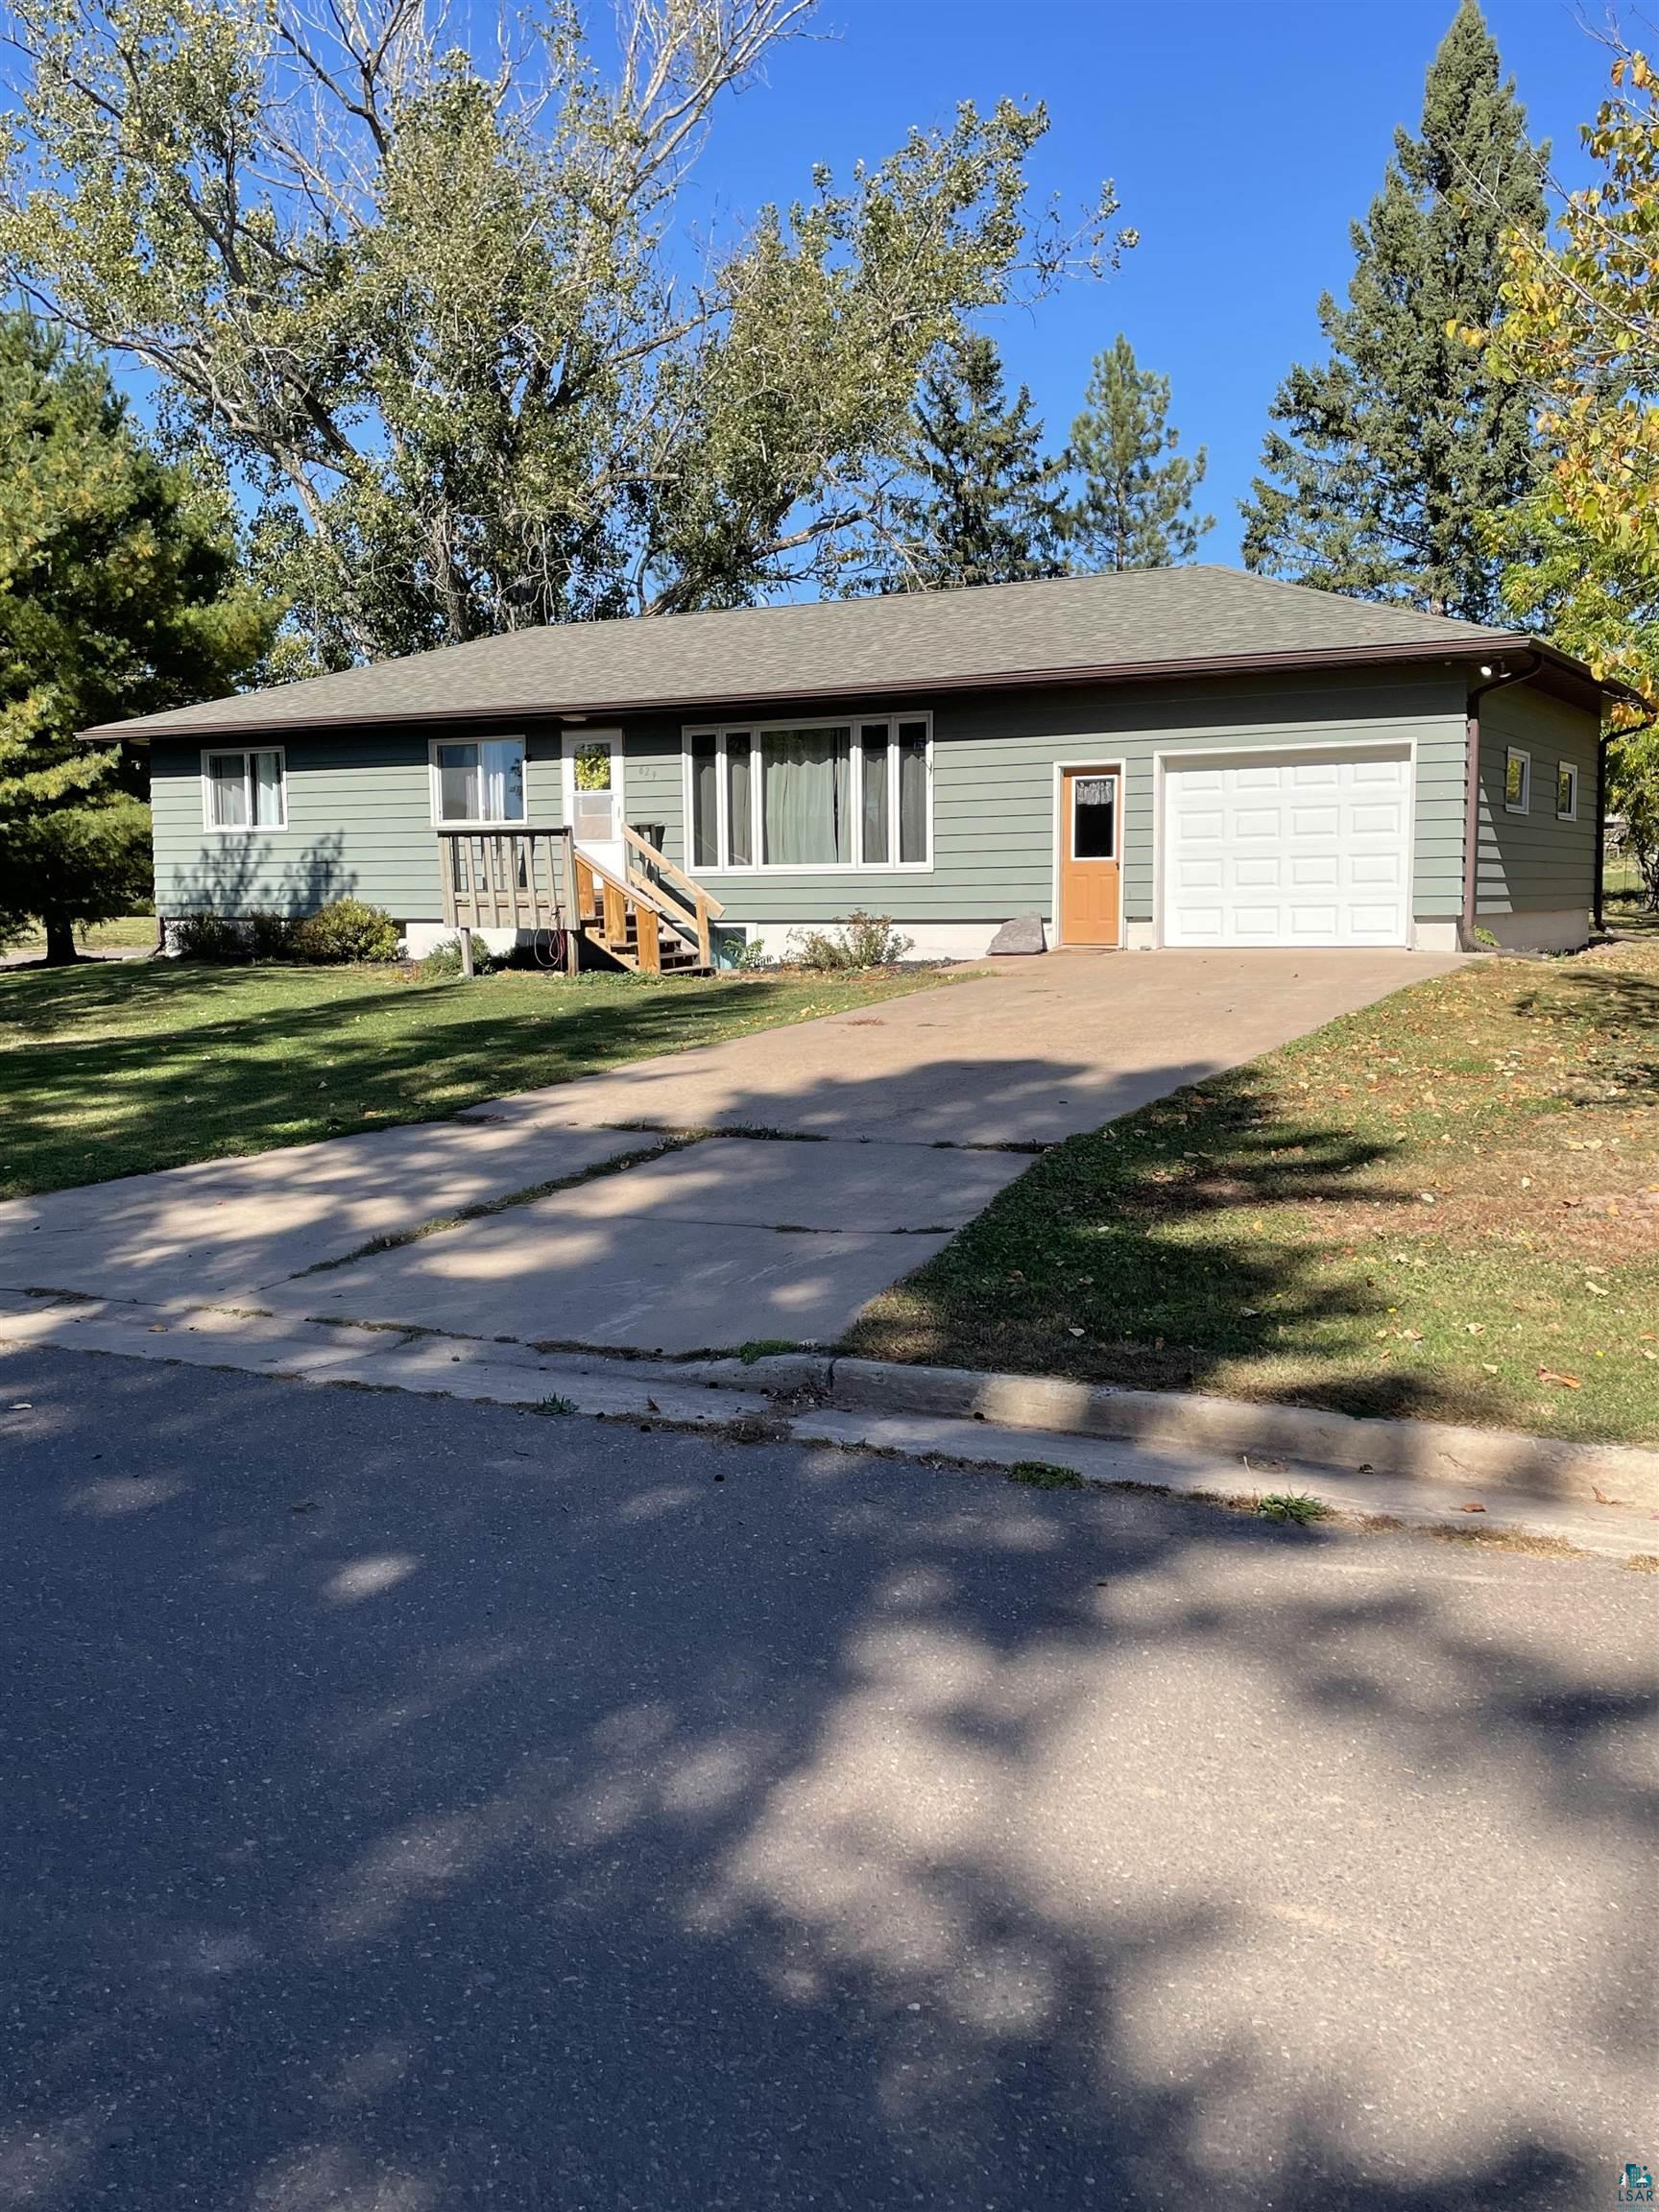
(1472,797)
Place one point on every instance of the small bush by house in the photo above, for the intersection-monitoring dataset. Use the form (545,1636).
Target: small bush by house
(345,930)
(862,941)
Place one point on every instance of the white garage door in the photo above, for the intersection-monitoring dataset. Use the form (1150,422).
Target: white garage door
(1289,848)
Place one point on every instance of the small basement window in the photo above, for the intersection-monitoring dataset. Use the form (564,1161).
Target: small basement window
(1517,781)
(1566,792)
(244,790)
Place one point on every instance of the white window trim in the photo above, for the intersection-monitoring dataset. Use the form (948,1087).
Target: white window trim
(1568,769)
(434,786)
(854,724)
(245,754)
(1523,804)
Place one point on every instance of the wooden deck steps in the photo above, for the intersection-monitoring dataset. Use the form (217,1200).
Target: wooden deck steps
(653,918)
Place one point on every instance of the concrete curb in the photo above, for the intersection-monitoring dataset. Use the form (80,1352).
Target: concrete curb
(1432,1452)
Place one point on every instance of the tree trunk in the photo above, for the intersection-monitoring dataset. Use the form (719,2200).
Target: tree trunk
(60,941)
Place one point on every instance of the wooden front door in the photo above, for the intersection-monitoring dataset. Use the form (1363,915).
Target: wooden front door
(1090,811)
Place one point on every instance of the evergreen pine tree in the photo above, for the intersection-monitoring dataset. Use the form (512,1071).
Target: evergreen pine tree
(1393,450)
(1134,509)
(981,503)
(119,596)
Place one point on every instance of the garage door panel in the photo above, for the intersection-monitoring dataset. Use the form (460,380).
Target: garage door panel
(1326,863)
(1313,871)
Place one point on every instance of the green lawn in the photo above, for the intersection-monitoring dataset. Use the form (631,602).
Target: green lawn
(1445,1206)
(111,1070)
(131,933)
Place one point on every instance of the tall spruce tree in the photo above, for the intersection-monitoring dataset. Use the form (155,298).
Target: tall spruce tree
(980,502)
(1134,506)
(119,594)
(1392,451)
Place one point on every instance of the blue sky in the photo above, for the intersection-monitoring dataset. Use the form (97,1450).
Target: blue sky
(1244,136)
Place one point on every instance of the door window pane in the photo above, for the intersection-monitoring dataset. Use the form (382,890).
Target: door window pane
(804,779)
(459,798)
(705,827)
(877,804)
(1094,817)
(913,791)
(740,803)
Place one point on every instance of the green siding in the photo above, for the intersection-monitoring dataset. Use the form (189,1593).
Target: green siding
(359,822)
(1531,862)
(359,806)
(994,760)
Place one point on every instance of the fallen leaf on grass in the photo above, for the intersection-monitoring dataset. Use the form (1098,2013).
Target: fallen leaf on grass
(1488,1366)
(1567,1382)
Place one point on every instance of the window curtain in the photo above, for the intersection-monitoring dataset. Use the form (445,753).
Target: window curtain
(458,794)
(740,803)
(805,787)
(912,792)
(704,824)
(878,833)
(503,780)
(268,790)
(227,782)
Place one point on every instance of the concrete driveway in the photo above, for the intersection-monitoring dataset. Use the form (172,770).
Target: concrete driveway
(853,1149)
(416,1807)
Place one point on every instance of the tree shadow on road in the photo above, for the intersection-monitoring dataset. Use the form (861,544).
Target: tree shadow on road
(447,1806)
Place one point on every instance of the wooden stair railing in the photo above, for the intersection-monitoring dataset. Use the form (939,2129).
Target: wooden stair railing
(668,902)
(642,922)
(523,878)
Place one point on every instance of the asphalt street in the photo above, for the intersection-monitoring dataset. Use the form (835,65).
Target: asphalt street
(410,1805)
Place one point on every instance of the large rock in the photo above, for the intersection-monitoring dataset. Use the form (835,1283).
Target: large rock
(1024,934)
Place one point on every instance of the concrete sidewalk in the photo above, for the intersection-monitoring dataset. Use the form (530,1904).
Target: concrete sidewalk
(925,1108)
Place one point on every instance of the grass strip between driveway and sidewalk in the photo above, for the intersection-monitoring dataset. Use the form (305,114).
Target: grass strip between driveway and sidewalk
(116,1069)
(1446,1206)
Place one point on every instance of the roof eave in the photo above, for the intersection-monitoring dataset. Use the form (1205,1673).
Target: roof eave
(1479,649)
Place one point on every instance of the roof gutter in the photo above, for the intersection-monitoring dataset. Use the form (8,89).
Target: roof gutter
(1471,790)
(141,729)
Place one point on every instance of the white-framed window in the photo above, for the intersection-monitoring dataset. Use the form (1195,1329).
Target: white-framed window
(1517,781)
(810,796)
(245,791)
(478,780)
(1566,792)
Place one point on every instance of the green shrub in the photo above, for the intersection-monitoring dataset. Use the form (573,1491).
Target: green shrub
(442,964)
(345,930)
(862,941)
(208,937)
(268,936)
(750,957)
